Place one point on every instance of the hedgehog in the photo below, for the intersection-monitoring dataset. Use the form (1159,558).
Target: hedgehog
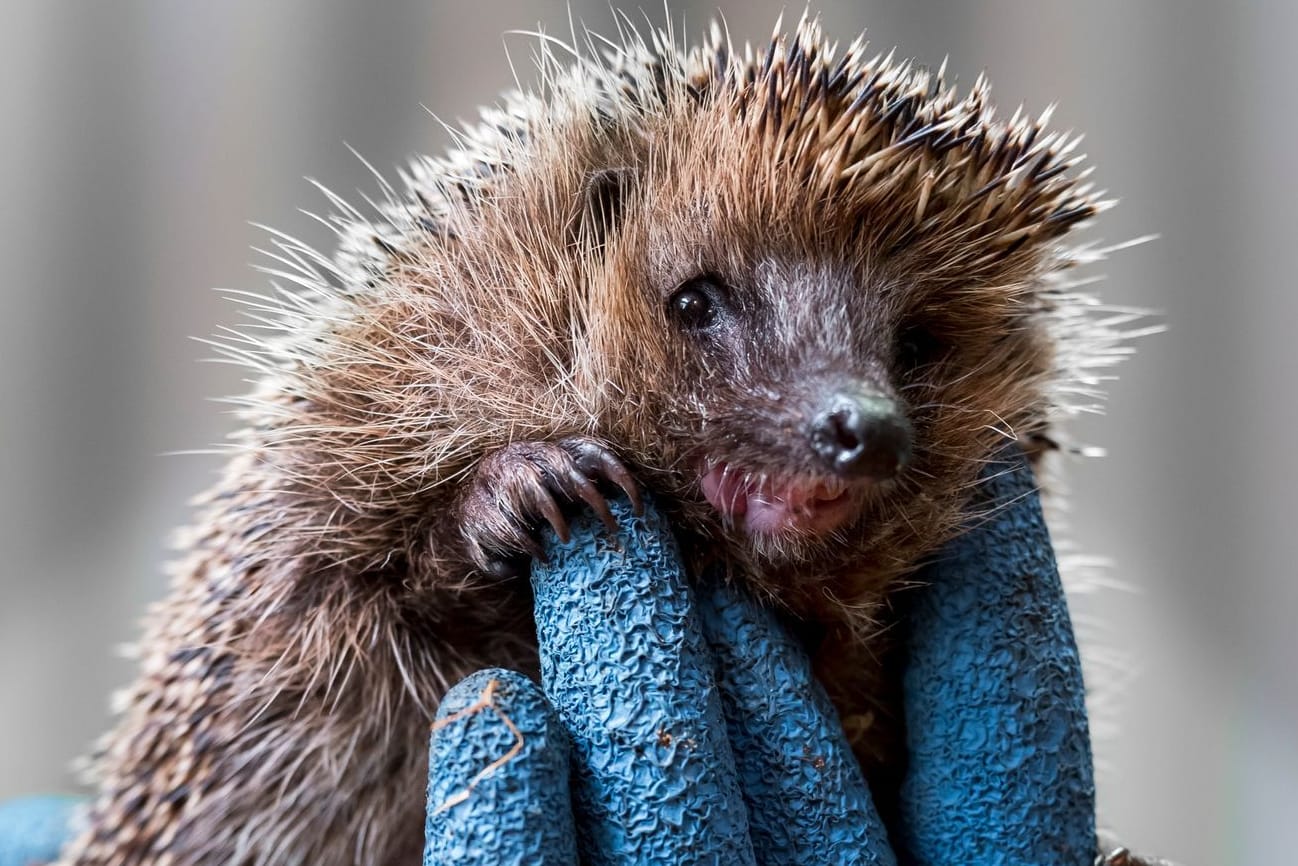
(797,294)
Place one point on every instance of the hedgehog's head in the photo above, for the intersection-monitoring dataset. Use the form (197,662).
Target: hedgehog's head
(823,290)
(805,294)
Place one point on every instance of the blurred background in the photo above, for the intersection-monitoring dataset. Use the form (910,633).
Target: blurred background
(138,138)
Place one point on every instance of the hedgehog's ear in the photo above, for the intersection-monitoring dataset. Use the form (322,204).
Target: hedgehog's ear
(604,198)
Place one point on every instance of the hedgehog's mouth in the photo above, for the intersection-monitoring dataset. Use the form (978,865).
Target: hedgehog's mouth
(766,504)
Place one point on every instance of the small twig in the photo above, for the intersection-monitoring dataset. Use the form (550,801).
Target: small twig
(486,700)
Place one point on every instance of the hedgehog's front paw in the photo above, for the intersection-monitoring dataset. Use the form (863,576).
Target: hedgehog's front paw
(525,486)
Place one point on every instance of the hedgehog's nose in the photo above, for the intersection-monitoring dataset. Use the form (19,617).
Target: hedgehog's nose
(862,437)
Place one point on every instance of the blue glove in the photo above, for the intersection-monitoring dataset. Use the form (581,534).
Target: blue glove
(1000,756)
(695,732)
(33,829)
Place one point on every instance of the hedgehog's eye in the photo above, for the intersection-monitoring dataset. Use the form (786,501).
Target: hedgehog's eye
(692,308)
(917,345)
(694,305)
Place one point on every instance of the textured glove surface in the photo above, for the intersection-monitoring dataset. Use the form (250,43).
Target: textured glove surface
(807,800)
(624,662)
(499,793)
(1000,759)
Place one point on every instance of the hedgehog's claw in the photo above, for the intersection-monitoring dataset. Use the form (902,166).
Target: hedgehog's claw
(587,492)
(541,501)
(595,461)
(523,487)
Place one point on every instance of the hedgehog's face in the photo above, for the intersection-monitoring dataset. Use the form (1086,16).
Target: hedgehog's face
(798,419)
(824,291)
(815,402)
(821,393)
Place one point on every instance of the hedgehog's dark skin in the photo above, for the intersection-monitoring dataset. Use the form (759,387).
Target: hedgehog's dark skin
(694,266)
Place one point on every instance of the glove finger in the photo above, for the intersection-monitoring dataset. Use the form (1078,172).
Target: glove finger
(498,777)
(33,829)
(624,663)
(1000,760)
(807,800)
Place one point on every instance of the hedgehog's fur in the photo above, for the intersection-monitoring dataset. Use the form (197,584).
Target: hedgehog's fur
(513,292)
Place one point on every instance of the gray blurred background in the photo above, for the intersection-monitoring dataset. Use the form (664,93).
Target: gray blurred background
(138,139)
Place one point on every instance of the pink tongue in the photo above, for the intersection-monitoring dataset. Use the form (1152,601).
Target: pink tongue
(762,510)
(726,493)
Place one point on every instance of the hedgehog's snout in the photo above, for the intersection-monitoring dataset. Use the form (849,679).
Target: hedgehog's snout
(862,436)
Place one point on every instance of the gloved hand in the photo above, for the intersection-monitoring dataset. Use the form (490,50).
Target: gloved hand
(695,732)
(679,729)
